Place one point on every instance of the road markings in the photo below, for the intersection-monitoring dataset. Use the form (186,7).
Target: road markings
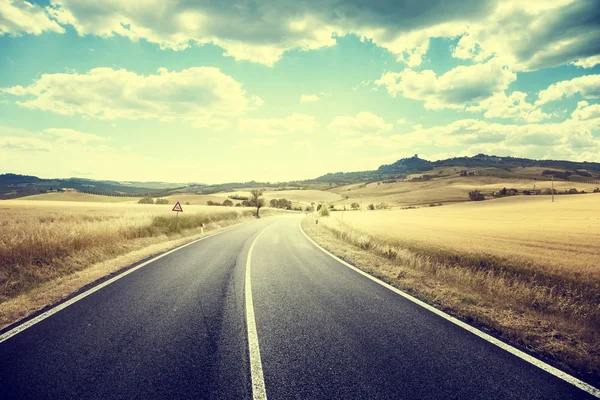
(514,351)
(28,324)
(258,382)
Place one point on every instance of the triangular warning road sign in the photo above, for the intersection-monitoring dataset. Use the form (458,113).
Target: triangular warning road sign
(177,207)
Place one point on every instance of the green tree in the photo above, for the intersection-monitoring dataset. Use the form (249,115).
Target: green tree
(476,195)
(227,203)
(146,200)
(256,200)
(355,206)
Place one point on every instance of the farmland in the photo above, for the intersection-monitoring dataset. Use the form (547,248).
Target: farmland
(441,189)
(524,267)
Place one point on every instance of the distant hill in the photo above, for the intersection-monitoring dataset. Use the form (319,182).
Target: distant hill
(491,165)
(13,185)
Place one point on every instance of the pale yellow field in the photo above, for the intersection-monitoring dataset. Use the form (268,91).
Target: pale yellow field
(79,197)
(564,235)
(439,190)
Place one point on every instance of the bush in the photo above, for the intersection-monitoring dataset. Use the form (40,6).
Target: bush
(281,203)
(597,190)
(476,195)
(187,203)
(382,206)
(146,200)
(227,203)
(371,206)
(324,212)
(162,201)
(572,191)
(238,204)
(355,206)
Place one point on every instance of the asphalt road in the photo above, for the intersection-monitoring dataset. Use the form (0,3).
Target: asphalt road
(177,329)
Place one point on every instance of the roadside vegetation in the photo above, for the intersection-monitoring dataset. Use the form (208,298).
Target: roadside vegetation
(42,242)
(523,268)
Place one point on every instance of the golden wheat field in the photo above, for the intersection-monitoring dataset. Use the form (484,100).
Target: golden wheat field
(561,236)
(43,240)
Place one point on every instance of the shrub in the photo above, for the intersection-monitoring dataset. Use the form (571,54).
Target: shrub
(371,206)
(476,195)
(146,200)
(355,206)
(281,203)
(382,206)
(187,203)
(162,201)
(238,204)
(324,211)
(597,190)
(227,203)
(572,191)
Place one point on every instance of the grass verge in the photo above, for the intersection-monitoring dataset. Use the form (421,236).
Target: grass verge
(538,315)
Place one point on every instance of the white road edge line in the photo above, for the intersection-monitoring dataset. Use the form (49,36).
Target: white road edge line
(28,324)
(514,351)
(258,382)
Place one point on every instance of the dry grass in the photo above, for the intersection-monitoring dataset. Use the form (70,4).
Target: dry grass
(43,241)
(524,267)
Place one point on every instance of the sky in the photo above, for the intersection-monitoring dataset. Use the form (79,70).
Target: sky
(230,91)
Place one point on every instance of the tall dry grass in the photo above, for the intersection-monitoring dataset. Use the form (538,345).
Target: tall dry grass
(39,243)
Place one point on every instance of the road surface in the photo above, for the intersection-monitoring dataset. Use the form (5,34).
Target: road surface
(186,327)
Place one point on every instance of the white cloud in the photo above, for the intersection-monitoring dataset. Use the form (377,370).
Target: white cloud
(11,143)
(534,34)
(571,139)
(309,98)
(526,35)
(514,106)
(72,135)
(587,62)
(18,16)
(362,123)
(454,89)
(584,111)
(106,93)
(295,123)
(588,86)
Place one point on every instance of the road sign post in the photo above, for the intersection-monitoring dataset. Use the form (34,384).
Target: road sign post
(177,208)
